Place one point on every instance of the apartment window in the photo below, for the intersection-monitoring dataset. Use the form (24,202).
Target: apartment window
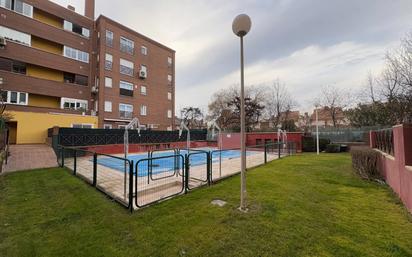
(82,125)
(143,110)
(109,38)
(13,97)
(169,114)
(169,61)
(121,126)
(126,88)
(73,104)
(143,50)
(107,126)
(75,54)
(143,90)
(15,36)
(126,67)
(19,67)
(107,106)
(108,64)
(67,25)
(169,78)
(126,45)
(108,82)
(169,96)
(18,6)
(126,111)
(75,79)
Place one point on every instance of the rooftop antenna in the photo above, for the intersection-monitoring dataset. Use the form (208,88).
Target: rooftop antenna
(133,123)
(183,126)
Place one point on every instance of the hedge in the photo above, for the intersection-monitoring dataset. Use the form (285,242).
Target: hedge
(365,163)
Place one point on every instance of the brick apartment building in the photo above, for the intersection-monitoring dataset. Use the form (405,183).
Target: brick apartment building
(61,68)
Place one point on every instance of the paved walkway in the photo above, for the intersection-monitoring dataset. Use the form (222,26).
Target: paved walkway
(26,157)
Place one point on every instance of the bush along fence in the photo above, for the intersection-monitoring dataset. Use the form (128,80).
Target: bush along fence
(395,159)
(141,180)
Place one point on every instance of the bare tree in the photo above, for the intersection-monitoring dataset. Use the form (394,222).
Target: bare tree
(278,102)
(334,100)
(192,117)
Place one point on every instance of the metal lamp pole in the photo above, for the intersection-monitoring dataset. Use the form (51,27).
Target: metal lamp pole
(317,131)
(241,26)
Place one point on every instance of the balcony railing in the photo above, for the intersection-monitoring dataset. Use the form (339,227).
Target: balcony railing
(125,115)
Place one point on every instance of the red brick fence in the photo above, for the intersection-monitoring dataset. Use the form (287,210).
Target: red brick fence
(395,162)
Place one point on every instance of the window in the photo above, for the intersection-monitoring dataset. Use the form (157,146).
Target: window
(18,6)
(126,111)
(121,126)
(13,97)
(143,110)
(126,45)
(143,90)
(126,67)
(82,125)
(169,61)
(68,77)
(108,82)
(169,128)
(67,25)
(126,88)
(15,36)
(143,50)
(75,79)
(169,78)
(107,126)
(73,104)
(107,106)
(75,54)
(19,67)
(108,64)
(169,96)
(169,114)
(109,38)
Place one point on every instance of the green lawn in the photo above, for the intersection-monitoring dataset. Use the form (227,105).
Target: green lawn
(299,206)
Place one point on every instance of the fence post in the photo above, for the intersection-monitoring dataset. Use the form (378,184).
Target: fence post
(265,154)
(75,162)
(186,171)
(278,150)
(62,153)
(208,168)
(94,169)
(131,185)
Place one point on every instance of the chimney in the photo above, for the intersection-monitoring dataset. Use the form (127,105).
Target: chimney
(89,8)
(71,7)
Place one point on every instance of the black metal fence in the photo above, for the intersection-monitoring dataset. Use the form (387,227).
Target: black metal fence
(88,137)
(383,140)
(136,183)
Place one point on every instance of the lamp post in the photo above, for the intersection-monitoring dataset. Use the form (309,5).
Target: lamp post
(317,130)
(241,26)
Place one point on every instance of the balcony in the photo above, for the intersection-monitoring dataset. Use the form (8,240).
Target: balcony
(125,115)
(28,108)
(39,57)
(32,85)
(43,30)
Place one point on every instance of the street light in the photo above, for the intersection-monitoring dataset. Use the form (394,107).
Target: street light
(317,130)
(241,26)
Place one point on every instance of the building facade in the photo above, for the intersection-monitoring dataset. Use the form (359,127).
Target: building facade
(60,68)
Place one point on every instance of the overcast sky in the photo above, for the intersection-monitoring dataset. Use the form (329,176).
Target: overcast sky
(304,43)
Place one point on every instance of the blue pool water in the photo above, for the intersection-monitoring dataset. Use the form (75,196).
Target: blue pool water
(167,163)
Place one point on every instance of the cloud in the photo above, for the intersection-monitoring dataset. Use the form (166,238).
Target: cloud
(304,43)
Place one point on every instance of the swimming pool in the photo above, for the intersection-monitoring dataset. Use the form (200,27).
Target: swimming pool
(168,163)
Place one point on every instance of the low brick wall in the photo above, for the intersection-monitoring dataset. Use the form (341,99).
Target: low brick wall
(397,169)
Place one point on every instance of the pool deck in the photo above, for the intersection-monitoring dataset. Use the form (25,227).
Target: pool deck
(161,186)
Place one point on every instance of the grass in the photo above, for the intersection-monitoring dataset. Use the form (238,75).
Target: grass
(299,206)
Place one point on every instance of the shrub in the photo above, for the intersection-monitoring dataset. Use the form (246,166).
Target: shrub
(333,148)
(365,163)
(309,144)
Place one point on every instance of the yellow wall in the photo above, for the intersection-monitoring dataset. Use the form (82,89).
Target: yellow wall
(46,45)
(44,73)
(32,127)
(44,101)
(47,18)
